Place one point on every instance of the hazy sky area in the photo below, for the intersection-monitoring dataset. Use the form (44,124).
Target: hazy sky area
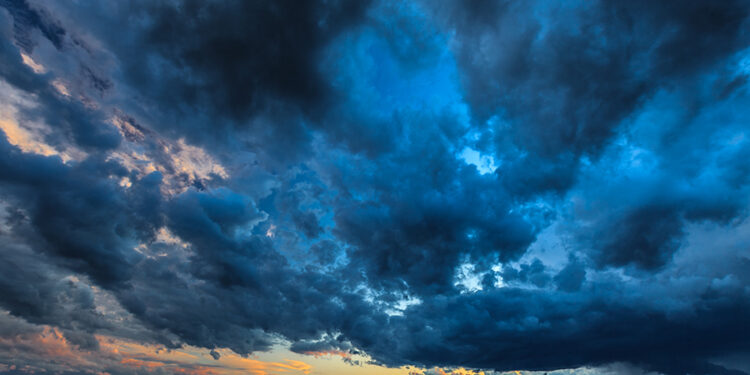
(427,187)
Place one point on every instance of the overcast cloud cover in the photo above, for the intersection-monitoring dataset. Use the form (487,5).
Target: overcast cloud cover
(484,185)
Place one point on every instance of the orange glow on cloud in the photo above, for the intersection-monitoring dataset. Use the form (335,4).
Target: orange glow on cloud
(190,361)
(24,139)
(47,350)
(50,347)
(49,344)
(36,67)
(140,363)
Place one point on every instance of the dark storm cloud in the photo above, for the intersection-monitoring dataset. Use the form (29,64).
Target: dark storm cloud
(533,273)
(247,68)
(510,329)
(210,222)
(562,80)
(76,124)
(571,277)
(565,76)
(640,218)
(420,218)
(299,305)
(79,212)
(241,54)
(250,73)
(345,216)
(27,19)
(302,196)
(646,236)
(35,290)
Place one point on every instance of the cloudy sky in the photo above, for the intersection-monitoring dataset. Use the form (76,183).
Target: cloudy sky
(209,187)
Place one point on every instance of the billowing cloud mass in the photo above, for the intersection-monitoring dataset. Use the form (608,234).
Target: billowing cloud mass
(412,187)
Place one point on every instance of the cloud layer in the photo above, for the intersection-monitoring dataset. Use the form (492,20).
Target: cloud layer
(489,185)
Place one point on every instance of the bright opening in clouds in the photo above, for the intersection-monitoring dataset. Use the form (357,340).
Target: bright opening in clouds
(485,163)
(219,187)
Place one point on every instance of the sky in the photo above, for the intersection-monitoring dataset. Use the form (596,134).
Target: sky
(207,187)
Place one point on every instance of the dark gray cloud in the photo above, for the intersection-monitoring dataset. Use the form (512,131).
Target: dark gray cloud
(533,330)
(564,77)
(241,54)
(80,213)
(27,19)
(425,220)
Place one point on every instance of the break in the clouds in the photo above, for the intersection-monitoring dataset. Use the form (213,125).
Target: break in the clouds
(406,187)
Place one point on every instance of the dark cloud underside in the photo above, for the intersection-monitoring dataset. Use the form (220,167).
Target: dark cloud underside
(488,184)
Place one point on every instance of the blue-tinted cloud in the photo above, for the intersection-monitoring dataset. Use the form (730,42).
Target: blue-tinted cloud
(493,185)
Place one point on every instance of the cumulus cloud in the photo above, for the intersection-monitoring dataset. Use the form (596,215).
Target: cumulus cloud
(456,187)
